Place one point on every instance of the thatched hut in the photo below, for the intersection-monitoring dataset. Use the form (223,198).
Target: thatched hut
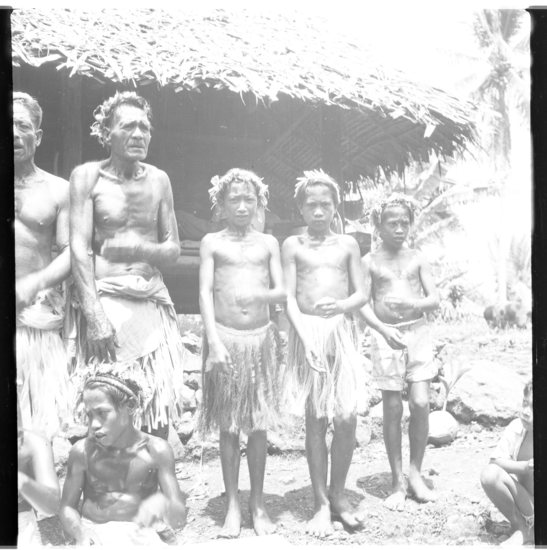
(264,92)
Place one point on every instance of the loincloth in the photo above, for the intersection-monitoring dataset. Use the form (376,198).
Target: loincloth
(149,341)
(334,340)
(42,364)
(121,534)
(247,398)
(392,367)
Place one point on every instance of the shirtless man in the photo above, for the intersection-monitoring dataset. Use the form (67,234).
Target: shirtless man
(240,276)
(324,284)
(402,291)
(127,477)
(122,229)
(41,223)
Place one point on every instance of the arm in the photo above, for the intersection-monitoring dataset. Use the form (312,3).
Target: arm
(288,254)
(100,333)
(218,355)
(169,504)
(361,293)
(431,300)
(59,268)
(391,335)
(72,491)
(161,253)
(42,492)
(277,293)
(519,467)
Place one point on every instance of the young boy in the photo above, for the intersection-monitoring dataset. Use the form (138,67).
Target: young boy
(324,284)
(508,480)
(37,482)
(402,291)
(127,477)
(240,276)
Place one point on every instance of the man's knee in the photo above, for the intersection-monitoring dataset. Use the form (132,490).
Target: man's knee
(393,408)
(491,475)
(345,422)
(419,404)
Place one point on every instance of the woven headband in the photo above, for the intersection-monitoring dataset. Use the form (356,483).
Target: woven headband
(118,384)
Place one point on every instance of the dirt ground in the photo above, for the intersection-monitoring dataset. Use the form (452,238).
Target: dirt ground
(462,514)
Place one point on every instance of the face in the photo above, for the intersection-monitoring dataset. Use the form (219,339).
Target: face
(26,137)
(105,422)
(129,135)
(527,412)
(395,226)
(240,204)
(318,208)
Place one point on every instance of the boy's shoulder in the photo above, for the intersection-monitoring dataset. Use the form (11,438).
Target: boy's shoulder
(78,451)
(158,448)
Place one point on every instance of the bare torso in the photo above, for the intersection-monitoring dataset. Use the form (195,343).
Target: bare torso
(395,275)
(37,201)
(129,209)
(242,272)
(526,452)
(117,480)
(321,271)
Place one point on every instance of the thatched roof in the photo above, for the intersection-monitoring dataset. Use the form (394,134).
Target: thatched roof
(270,56)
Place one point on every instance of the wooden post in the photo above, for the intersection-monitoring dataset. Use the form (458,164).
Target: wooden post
(70,154)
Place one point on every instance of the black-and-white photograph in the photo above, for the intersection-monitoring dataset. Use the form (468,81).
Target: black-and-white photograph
(273,276)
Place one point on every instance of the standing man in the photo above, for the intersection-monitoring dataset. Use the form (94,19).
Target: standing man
(41,223)
(123,229)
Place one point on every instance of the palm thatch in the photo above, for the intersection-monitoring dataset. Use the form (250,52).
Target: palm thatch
(387,119)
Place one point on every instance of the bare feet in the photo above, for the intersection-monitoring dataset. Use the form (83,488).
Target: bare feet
(232,522)
(420,491)
(342,511)
(261,522)
(396,501)
(320,525)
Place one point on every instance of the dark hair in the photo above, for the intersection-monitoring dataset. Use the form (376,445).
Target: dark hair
(32,106)
(122,391)
(312,178)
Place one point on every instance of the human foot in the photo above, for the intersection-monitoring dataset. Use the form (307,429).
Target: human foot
(419,490)
(261,522)
(320,525)
(342,511)
(232,523)
(396,501)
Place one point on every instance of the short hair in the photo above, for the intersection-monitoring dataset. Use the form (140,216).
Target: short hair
(220,186)
(528,388)
(395,199)
(104,113)
(315,177)
(32,106)
(122,390)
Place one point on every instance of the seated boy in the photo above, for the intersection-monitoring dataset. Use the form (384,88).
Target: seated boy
(127,477)
(402,291)
(240,276)
(37,482)
(508,480)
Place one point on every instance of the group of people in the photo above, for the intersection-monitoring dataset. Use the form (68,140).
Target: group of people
(106,346)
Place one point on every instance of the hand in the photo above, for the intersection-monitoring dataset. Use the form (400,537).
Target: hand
(122,249)
(101,339)
(154,508)
(394,338)
(313,361)
(219,358)
(328,307)
(26,289)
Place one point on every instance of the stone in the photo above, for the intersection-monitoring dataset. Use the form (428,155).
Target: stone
(193,380)
(188,396)
(363,432)
(192,363)
(457,526)
(185,430)
(443,428)
(489,394)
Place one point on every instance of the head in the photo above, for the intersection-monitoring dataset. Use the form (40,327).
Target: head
(123,123)
(238,194)
(317,196)
(527,412)
(393,219)
(27,135)
(110,404)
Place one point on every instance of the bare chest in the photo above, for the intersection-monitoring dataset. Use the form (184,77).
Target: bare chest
(394,271)
(35,209)
(311,259)
(128,205)
(252,255)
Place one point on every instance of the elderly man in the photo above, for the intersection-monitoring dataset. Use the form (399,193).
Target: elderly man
(122,230)
(41,225)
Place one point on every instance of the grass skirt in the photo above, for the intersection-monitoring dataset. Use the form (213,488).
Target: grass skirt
(335,342)
(248,398)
